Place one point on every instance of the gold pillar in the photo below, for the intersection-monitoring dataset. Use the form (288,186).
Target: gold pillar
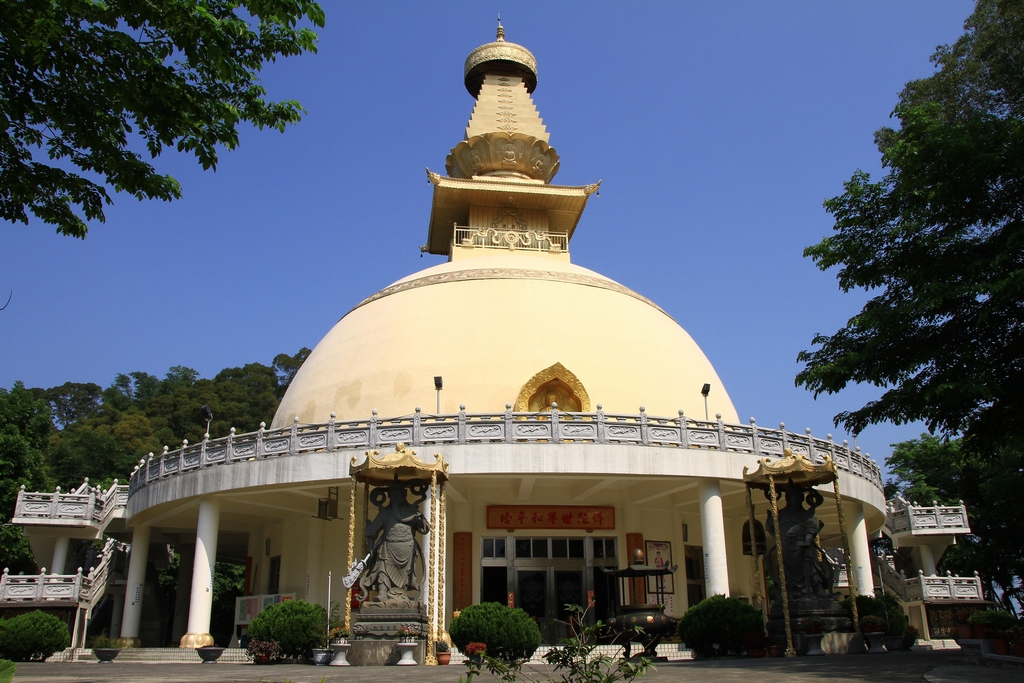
(351,555)
(431,659)
(790,651)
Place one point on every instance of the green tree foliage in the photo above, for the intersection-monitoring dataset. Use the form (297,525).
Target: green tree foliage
(720,620)
(85,83)
(32,636)
(286,367)
(931,469)
(510,634)
(24,431)
(296,626)
(939,243)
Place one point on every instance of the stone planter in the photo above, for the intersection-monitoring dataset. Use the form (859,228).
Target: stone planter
(407,654)
(893,643)
(322,657)
(340,648)
(209,654)
(443,658)
(814,645)
(873,639)
(106,655)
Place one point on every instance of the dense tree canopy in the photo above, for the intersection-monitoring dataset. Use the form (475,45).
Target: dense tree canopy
(86,83)
(939,243)
(932,469)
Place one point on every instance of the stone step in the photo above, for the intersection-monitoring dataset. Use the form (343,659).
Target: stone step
(162,655)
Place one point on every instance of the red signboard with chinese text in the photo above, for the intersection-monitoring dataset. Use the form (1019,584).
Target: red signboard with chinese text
(586,517)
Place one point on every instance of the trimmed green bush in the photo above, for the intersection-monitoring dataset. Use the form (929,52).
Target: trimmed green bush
(33,635)
(999,622)
(886,608)
(720,620)
(296,626)
(510,634)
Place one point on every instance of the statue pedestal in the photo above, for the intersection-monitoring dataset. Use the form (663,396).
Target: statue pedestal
(379,652)
(371,621)
(827,611)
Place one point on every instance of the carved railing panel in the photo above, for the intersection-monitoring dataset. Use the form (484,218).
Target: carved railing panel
(944,588)
(92,506)
(901,516)
(60,588)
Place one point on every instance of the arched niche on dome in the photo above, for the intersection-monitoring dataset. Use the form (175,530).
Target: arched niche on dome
(554,384)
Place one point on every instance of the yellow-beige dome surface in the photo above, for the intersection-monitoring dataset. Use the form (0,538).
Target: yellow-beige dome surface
(489,326)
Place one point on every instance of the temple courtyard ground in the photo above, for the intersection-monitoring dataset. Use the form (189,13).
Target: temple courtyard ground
(901,667)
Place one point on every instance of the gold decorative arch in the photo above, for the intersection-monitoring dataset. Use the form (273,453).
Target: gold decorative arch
(555,380)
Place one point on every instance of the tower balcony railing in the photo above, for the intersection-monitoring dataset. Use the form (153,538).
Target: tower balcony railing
(85,506)
(902,516)
(546,427)
(510,239)
(946,588)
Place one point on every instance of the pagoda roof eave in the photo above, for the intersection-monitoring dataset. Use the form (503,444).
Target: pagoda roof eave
(453,197)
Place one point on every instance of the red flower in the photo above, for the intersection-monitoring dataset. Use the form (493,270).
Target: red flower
(475,649)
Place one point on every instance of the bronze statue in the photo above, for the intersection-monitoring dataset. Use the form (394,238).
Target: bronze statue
(392,537)
(808,574)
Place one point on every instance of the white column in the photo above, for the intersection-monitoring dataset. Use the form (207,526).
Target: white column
(860,552)
(135,586)
(184,592)
(712,529)
(115,617)
(201,600)
(927,560)
(60,555)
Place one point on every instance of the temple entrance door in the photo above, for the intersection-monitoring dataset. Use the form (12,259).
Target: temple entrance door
(532,595)
(569,589)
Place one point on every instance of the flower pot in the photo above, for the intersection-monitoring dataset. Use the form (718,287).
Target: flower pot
(407,659)
(756,652)
(106,655)
(322,657)
(444,658)
(964,631)
(979,631)
(1001,646)
(775,650)
(340,648)
(874,642)
(209,654)
(814,644)
(1018,647)
(261,659)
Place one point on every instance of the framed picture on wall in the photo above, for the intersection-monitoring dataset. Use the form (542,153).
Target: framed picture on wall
(659,554)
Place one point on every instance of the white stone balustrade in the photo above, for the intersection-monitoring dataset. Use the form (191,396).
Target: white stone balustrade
(75,588)
(85,506)
(552,426)
(943,588)
(922,520)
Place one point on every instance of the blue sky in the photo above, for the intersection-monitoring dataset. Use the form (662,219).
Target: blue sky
(717,129)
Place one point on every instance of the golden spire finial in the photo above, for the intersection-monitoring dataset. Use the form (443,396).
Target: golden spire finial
(501,31)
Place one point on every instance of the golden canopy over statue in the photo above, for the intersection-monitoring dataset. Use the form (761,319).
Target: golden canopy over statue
(402,465)
(797,469)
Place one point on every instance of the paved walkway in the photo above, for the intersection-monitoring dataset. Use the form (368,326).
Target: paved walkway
(900,667)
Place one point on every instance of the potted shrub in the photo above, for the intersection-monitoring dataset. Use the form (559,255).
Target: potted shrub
(910,636)
(338,635)
(720,620)
(872,624)
(296,626)
(1016,636)
(474,651)
(104,648)
(812,626)
(263,651)
(755,643)
(510,634)
(406,634)
(441,651)
(991,623)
